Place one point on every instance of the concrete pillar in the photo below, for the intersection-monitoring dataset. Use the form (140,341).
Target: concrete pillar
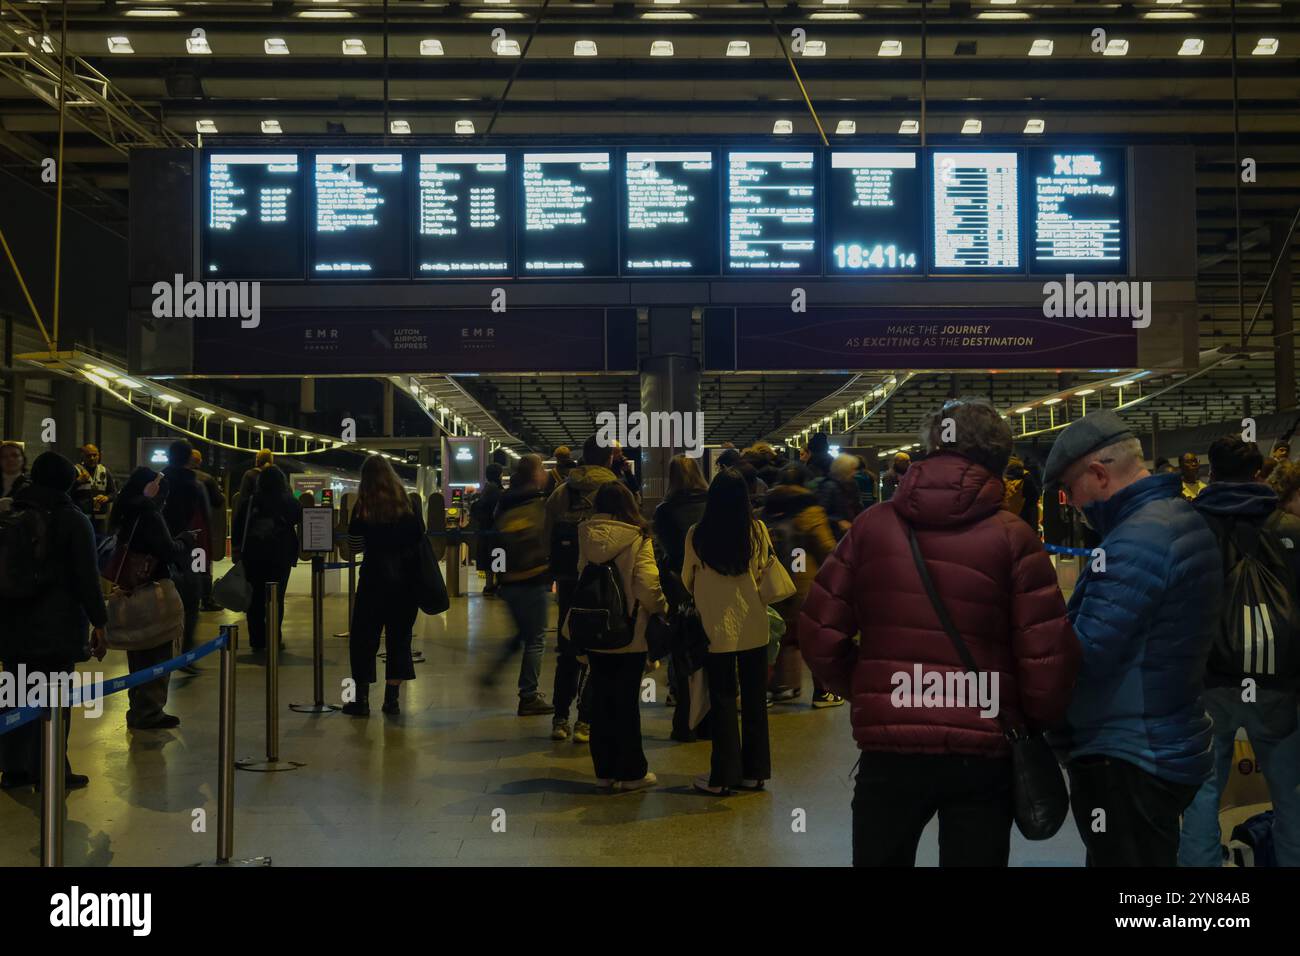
(67,437)
(670,382)
(1283,319)
(307,396)
(388,410)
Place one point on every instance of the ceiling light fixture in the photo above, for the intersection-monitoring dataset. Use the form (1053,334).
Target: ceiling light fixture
(783,127)
(354,47)
(1116,48)
(1042,47)
(972,126)
(464,127)
(890,48)
(1001,15)
(430,47)
(271,126)
(155,12)
(814,48)
(324,14)
(1035,126)
(584,48)
(1265,46)
(205,126)
(661,48)
(507,48)
(120,45)
(197,45)
(846,127)
(909,127)
(399,127)
(1191,47)
(738,48)
(275,46)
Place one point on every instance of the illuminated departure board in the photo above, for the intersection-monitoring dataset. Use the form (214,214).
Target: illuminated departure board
(976,211)
(463,215)
(1078,204)
(566,224)
(360,215)
(874,213)
(253,216)
(772,212)
(670,213)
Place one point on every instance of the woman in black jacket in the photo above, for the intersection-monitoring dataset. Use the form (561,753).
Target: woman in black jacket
(46,633)
(264,535)
(137,520)
(387,531)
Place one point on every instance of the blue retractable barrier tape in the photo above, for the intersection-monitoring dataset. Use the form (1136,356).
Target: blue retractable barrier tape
(1062,549)
(13,719)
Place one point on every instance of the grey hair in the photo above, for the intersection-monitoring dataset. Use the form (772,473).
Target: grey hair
(980,433)
(844,466)
(1124,455)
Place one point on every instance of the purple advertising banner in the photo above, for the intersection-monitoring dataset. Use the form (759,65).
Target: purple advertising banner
(318,342)
(894,338)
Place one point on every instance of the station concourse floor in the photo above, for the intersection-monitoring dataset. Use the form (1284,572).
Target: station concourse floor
(421,788)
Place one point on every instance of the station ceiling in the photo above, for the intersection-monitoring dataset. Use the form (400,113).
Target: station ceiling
(976,64)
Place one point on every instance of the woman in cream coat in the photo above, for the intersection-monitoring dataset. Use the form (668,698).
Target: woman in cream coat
(618,533)
(732,571)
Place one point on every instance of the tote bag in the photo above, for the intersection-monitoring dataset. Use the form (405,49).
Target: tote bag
(142,614)
(232,590)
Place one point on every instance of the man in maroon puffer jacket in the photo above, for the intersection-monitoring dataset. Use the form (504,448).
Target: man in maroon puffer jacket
(930,741)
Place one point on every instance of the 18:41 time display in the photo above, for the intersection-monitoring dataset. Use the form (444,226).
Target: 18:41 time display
(857,256)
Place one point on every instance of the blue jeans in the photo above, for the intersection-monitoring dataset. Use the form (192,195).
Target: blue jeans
(1266,722)
(529,603)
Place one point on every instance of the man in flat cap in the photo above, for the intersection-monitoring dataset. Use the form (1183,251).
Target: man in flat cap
(1145,611)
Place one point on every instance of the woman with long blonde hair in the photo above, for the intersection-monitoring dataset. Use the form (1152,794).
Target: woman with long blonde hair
(387,532)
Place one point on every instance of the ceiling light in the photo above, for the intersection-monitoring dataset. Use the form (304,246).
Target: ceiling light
(1022,411)
(667,3)
(1035,126)
(464,127)
(972,126)
(1265,46)
(908,127)
(130,383)
(1191,47)
(835,3)
(1042,48)
(399,127)
(494,15)
(846,15)
(1084,391)
(890,48)
(204,411)
(782,127)
(1168,15)
(205,126)
(197,45)
(814,48)
(738,48)
(584,47)
(1001,15)
(354,47)
(670,15)
(507,48)
(1116,48)
(169,399)
(846,127)
(661,48)
(430,48)
(324,14)
(119,45)
(271,126)
(283,431)
(152,12)
(275,46)
(1121,384)
(262,428)
(235,421)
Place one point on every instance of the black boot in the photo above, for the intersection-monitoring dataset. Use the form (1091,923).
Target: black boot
(359,707)
(390,699)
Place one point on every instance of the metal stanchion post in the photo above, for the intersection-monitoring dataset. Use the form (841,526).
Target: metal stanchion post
(453,564)
(352,591)
(272,761)
(317,641)
(53,809)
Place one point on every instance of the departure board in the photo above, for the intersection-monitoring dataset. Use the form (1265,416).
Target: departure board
(463,215)
(567,216)
(772,213)
(874,213)
(253,216)
(360,215)
(1079,209)
(670,213)
(976,212)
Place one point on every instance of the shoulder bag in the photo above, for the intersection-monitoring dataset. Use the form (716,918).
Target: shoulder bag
(232,590)
(142,614)
(1038,793)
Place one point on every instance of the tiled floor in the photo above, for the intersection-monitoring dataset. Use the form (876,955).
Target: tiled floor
(426,787)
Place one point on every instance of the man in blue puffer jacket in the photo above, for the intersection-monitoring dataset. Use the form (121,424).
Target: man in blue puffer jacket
(1137,734)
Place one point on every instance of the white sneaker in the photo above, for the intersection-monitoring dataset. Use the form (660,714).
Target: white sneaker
(702,784)
(604,783)
(626,786)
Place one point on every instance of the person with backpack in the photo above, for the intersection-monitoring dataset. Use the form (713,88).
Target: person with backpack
(866,482)
(1253,672)
(572,503)
(802,539)
(520,520)
(137,522)
(385,530)
(732,571)
(617,593)
(187,509)
(49,589)
(480,516)
(941,548)
(264,536)
(264,459)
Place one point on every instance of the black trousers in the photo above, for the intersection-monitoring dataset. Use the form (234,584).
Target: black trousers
(740,749)
(897,794)
(615,686)
(570,675)
(681,688)
(1138,822)
(148,700)
(20,750)
(190,585)
(260,574)
(394,615)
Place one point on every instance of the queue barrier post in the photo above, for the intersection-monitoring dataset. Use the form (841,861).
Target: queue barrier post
(272,763)
(318,706)
(53,762)
(352,591)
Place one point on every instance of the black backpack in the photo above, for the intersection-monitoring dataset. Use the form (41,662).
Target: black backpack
(24,551)
(1261,607)
(598,617)
(564,534)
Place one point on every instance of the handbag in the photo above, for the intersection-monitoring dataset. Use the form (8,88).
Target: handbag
(1038,794)
(232,590)
(142,614)
(430,588)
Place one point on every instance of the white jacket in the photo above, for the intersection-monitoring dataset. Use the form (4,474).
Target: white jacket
(733,608)
(604,538)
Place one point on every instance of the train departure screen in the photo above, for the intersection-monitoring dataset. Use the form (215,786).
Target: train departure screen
(873,213)
(566,226)
(772,212)
(976,212)
(253,219)
(360,227)
(463,222)
(1079,210)
(670,217)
